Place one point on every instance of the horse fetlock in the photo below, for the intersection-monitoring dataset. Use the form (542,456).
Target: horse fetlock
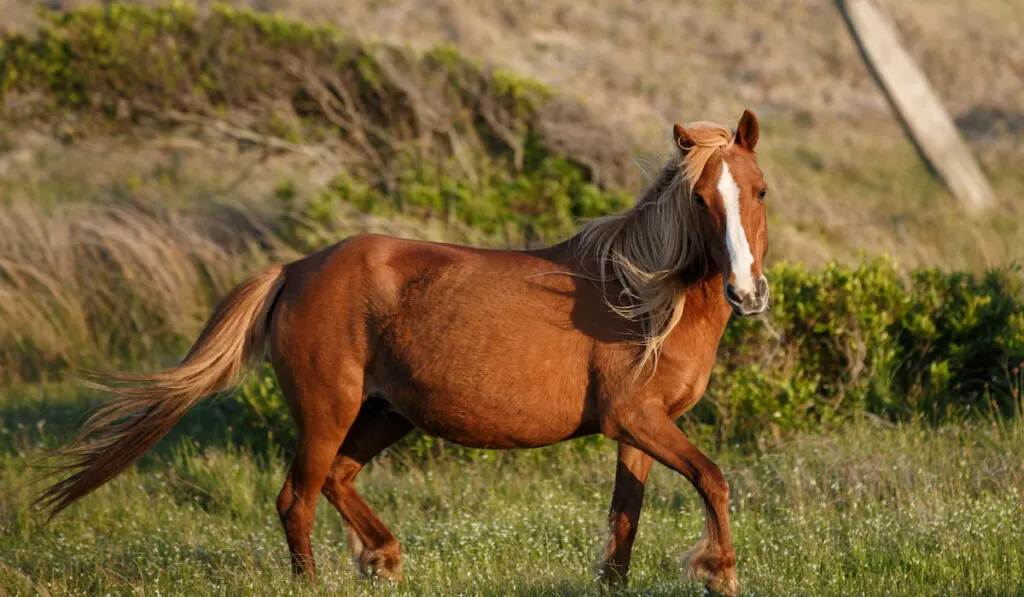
(715,567)
(304,567)
(355,544)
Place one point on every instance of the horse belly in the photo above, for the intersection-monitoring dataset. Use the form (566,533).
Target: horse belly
(479,350)
(488,409)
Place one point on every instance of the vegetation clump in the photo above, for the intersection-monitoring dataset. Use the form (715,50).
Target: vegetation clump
(432,133)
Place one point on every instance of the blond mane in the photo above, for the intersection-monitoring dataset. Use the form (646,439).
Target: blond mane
(646,248)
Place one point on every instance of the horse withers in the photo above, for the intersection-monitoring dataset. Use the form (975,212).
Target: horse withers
(612,331)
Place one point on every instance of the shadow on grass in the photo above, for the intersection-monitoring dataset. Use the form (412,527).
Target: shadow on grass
(34,419)
(580,589)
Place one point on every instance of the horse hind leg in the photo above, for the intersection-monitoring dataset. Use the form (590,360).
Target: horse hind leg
(375,549)
(323,430)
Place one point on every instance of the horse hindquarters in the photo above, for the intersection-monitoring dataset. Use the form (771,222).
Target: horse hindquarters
(318,348)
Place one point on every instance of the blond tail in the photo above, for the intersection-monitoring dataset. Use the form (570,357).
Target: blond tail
(150,405)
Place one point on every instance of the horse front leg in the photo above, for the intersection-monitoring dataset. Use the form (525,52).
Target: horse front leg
(712,559)
(624,516)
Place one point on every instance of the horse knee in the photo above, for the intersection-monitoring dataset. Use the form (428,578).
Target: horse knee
(285,499)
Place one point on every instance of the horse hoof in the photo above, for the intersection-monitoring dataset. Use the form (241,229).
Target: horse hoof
(380,565)
(725,585)
(383,563)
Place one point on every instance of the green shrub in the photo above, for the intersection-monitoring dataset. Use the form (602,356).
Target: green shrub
(540,205)
(266,417)
(824,352)
(959,341)
(845,341)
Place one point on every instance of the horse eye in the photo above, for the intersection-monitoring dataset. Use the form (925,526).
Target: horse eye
(761,195)
(700,201)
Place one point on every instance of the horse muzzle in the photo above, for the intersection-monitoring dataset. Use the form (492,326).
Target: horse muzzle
(748,303)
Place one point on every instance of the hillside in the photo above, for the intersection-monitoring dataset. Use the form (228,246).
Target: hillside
(153,155)
(844,177)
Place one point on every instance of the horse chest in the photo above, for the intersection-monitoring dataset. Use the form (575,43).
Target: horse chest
(689,393)
(683,380)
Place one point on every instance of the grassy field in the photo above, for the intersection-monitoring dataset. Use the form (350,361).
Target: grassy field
(866,511)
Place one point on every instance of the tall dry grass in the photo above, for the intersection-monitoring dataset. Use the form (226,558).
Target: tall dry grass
(84,284)
(101,283)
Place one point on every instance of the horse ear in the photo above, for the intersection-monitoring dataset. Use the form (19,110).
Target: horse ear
(684,141)
(748,131)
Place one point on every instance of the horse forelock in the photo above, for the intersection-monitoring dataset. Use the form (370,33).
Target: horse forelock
(647,248)
(709,139)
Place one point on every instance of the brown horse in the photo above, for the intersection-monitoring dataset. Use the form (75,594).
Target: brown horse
(612,331)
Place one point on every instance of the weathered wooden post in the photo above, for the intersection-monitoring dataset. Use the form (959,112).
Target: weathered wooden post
(916,104)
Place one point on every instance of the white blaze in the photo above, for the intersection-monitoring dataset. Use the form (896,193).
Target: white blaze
(740,257)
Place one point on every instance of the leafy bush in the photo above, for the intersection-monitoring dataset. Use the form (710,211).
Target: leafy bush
(540,205)
(959,341)
(845,341)
(266,413)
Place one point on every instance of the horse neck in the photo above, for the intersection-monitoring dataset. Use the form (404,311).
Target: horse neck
(704,308)
(705,313)
(708,296)
(703,283)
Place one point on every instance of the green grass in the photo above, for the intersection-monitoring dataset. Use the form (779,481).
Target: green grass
(867,511)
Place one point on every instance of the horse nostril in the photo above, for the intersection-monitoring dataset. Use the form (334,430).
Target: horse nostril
(762,286)
(730,293)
